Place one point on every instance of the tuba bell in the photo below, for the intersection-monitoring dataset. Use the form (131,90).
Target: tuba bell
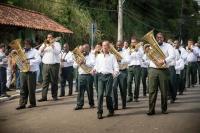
(76,56)
(155,53)
(18,55)
(113,51)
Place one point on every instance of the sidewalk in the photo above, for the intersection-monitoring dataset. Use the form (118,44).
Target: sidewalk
(15,94)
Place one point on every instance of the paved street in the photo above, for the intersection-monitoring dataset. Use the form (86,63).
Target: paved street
(58,116)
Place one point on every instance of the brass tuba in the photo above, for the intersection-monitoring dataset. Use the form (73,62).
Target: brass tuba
(155,53)
(113,51)
(76,56)
(19,56)
(134,48)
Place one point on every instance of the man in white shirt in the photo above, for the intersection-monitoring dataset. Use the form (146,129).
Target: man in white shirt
(121,80)
(134,70)
(98,47)
(67,70)
(144,66)
(28,79)
(50,69)
(193,52)
(125,47)
(183,56)
(198,64)
(159,77)
(107,67)
(77,74)
(85,79)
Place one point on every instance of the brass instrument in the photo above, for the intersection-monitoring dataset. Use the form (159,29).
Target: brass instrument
(189,49)
(97,52)
(155,53)
(76,56)
(113,51)
(47,42)
(19,56)
(134,48)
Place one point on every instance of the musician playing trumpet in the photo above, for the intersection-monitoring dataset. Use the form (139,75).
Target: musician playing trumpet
(28,79)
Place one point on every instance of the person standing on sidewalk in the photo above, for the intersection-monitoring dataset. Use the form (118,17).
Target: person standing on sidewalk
(28,79)
(3,67)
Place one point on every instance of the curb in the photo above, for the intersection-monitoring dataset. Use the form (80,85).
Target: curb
(17,95)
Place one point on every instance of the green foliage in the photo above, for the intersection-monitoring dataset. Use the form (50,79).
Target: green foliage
(161,15)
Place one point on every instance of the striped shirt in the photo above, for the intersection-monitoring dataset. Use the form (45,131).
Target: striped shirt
(3,59)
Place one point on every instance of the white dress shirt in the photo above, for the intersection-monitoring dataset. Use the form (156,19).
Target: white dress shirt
(106,64)
(51,56)
(90,62)
(179,66)
(173,63)
(68,59)
(145,61)
(92,51)
(192,56)
(184,55)
(168,50)
(126,57)
(126,49)
(136,57)
(34,58)
(198,59)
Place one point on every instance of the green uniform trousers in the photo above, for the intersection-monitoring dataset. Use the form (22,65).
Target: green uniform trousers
(197,73)
(181,81)
(184,76)
(28,87)
(50,71)
(177,82)
(67,74)
(85,83)
(144,80)
(105,82)
(96,82)
(191,69)
(158,78)
(121,80)
(136,73)
(172,83)
(77,79)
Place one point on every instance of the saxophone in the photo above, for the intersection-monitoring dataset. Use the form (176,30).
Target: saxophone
(76,56)
(113,51)
(18,55)
(155,53)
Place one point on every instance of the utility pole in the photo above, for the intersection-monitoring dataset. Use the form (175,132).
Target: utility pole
(181,20)
(120,21)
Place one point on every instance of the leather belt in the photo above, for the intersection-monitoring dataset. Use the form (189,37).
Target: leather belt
(105,74)
(135,66)
(84,74)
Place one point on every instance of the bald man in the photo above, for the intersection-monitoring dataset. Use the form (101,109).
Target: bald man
(67,70)
(85,79)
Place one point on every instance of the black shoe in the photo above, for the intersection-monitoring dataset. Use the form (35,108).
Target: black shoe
(99,116)
(92,106)
(41,100)
(144,95)
(192,85)
(136,100)
(188,86)
(116,108)
(168,98)
(180,93)
(31,106)
(164,112)
(130,99)
(151,113)
(172,101)
(76,90)
(124,107)
(110,114)
(20,107)
(55,98)
(69,95)
(78,108)
(5,95)
(61,95)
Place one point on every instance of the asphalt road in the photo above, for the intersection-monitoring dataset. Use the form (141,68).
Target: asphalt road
(58,116)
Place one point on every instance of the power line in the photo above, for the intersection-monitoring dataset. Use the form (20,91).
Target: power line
(83,6)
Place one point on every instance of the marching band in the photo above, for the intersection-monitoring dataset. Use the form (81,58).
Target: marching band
(159,65)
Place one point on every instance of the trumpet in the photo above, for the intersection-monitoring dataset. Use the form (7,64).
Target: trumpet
(97,52)
(134,48)
(47,42)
